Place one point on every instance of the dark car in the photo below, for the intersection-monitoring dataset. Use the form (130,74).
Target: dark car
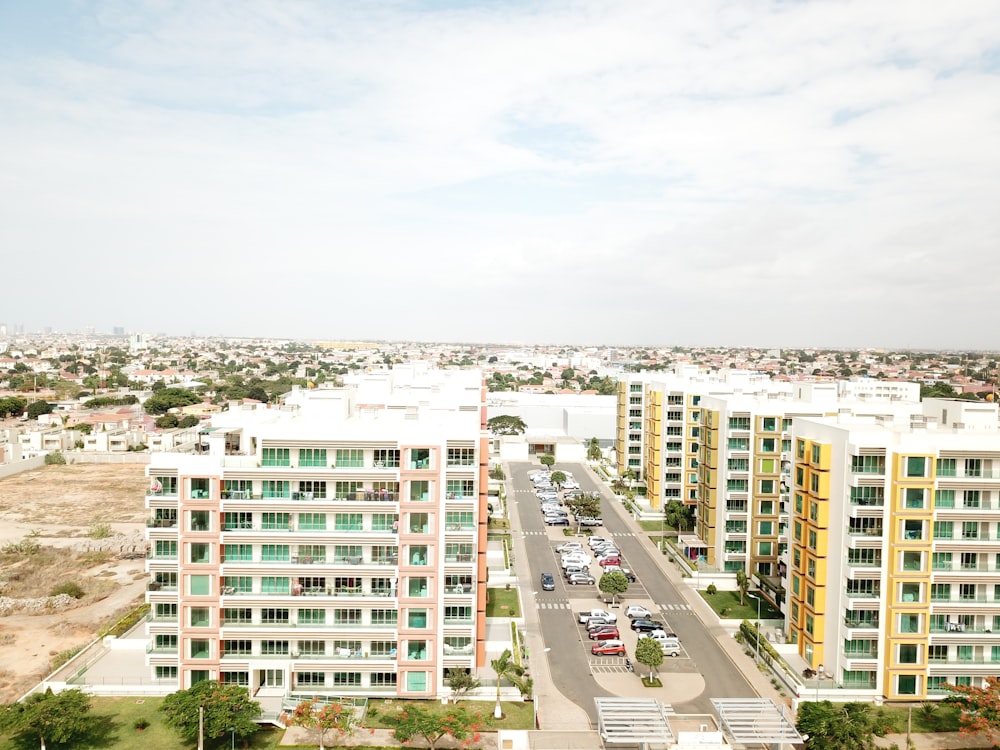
(556,521)
(644,625)
(575,579)
(548,582)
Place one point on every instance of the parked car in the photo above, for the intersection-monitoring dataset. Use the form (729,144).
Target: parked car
(644,624)
(596,623)
(548,582)
(608,648)
(589,521)
(556,521)
(670,645)
(571,569)
(571,484)
(577,579)
(633,611)
(629,575)
(596,541)
(604,634)
(606,561)
(569,546)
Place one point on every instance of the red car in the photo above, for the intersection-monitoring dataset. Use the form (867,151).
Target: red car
(605,634)
(608,648)
(616,561)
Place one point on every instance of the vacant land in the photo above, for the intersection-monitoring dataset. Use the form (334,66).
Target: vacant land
(65,526)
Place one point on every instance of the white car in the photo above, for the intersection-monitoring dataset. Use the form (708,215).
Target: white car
(569,484)
(637,610)
(596,541)
(570,546)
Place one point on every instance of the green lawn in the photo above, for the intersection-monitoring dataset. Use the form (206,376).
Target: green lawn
(654,526)
(115,730)
(502,603)
(515,715)
(499,523)
(730,600)
(939,718)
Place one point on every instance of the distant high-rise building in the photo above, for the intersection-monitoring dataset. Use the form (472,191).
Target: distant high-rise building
(118,331)
(138,342)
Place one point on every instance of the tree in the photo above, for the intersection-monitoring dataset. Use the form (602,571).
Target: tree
(648,652)
(980,707)
(594,450)
(189,420)
(840,726)
(547,460)
(743,584)
(324,717)
(167,421)
(587,505)
(12,406)
(227,708)
(558,477)
(506,668)
(506,425)
(614,583)
(678,515)
(938,390)
(166,399)
(60,718)
(416,720)
(461,681)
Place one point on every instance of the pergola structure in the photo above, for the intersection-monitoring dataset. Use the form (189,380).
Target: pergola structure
(633,721)
(755,721)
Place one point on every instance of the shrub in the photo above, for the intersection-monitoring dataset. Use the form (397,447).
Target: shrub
(55,458)
(140,724)
(69,587)
(100,531)
(711,590)
(63,656)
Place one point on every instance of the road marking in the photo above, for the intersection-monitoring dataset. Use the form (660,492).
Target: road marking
(553,605)
(675,607)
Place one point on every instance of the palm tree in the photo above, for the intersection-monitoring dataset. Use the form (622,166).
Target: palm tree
(743,584)
(506,668)
(594,450)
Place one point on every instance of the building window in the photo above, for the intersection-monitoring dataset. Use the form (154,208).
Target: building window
(312,617)
(908,653)
(315,457)
(947,467)
(273,488)
(914,497)
(910,592)
(199,552)
(311,490)
(312,521)
(913,529)
(416,682)
(275,457)
(916,466)
(384,617)
(166,673)
(199,585)
(913,561)
(200,617)
(906,684)
(276,521)
(199,520)
(201,648)
(909,623)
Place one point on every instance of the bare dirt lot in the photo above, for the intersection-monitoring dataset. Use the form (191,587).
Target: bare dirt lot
(62,526)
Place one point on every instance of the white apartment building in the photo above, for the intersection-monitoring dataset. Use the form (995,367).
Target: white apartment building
(894,572)
(331,546)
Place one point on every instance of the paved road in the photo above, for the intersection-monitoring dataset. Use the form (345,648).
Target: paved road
(567,659)
(569,665)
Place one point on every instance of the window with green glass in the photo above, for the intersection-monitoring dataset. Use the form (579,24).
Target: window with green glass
(947,467)
(416,682)
(916,466)
(165,548)
(312,617)
(347,490)
(739,443)
(384,617)
(348,522)
(944,498)
(201,648)
(312,457)
(769,424)
(274,553)
(275,457)
(199,585)
(238,584)
(275,521)
(275,488)
(275,585)
(352,458)
(200,617)
(237,552)
(914,497)
(943,530)
(312,521)
(739,423)
(460,488)
(385,522)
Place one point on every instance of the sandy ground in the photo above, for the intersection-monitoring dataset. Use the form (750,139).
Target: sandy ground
(57,506)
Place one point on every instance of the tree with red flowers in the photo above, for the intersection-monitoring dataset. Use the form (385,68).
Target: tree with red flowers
(980,707)
(324,717)
(417,721)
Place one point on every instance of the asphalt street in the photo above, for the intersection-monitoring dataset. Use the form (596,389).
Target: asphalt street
(569,661)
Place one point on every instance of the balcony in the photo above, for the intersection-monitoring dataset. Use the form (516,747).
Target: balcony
(862,624)
(161,523)
(863,594)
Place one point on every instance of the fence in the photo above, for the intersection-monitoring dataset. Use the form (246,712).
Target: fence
(27,464)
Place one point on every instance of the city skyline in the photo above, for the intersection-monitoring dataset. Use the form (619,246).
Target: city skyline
(791,175)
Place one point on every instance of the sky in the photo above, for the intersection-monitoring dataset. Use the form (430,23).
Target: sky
(650,172)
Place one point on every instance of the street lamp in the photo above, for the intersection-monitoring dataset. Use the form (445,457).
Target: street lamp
(757,640)
(233,730)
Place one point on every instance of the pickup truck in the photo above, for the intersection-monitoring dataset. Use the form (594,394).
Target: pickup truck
(586,614)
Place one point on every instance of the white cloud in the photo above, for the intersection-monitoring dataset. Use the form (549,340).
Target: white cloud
(682,172)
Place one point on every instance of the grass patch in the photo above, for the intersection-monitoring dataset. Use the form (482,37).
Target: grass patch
(727,606)
(516,715)
(652,526)
(498,523)
(651,683)
(116,719)
(927,717)
(502,603)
